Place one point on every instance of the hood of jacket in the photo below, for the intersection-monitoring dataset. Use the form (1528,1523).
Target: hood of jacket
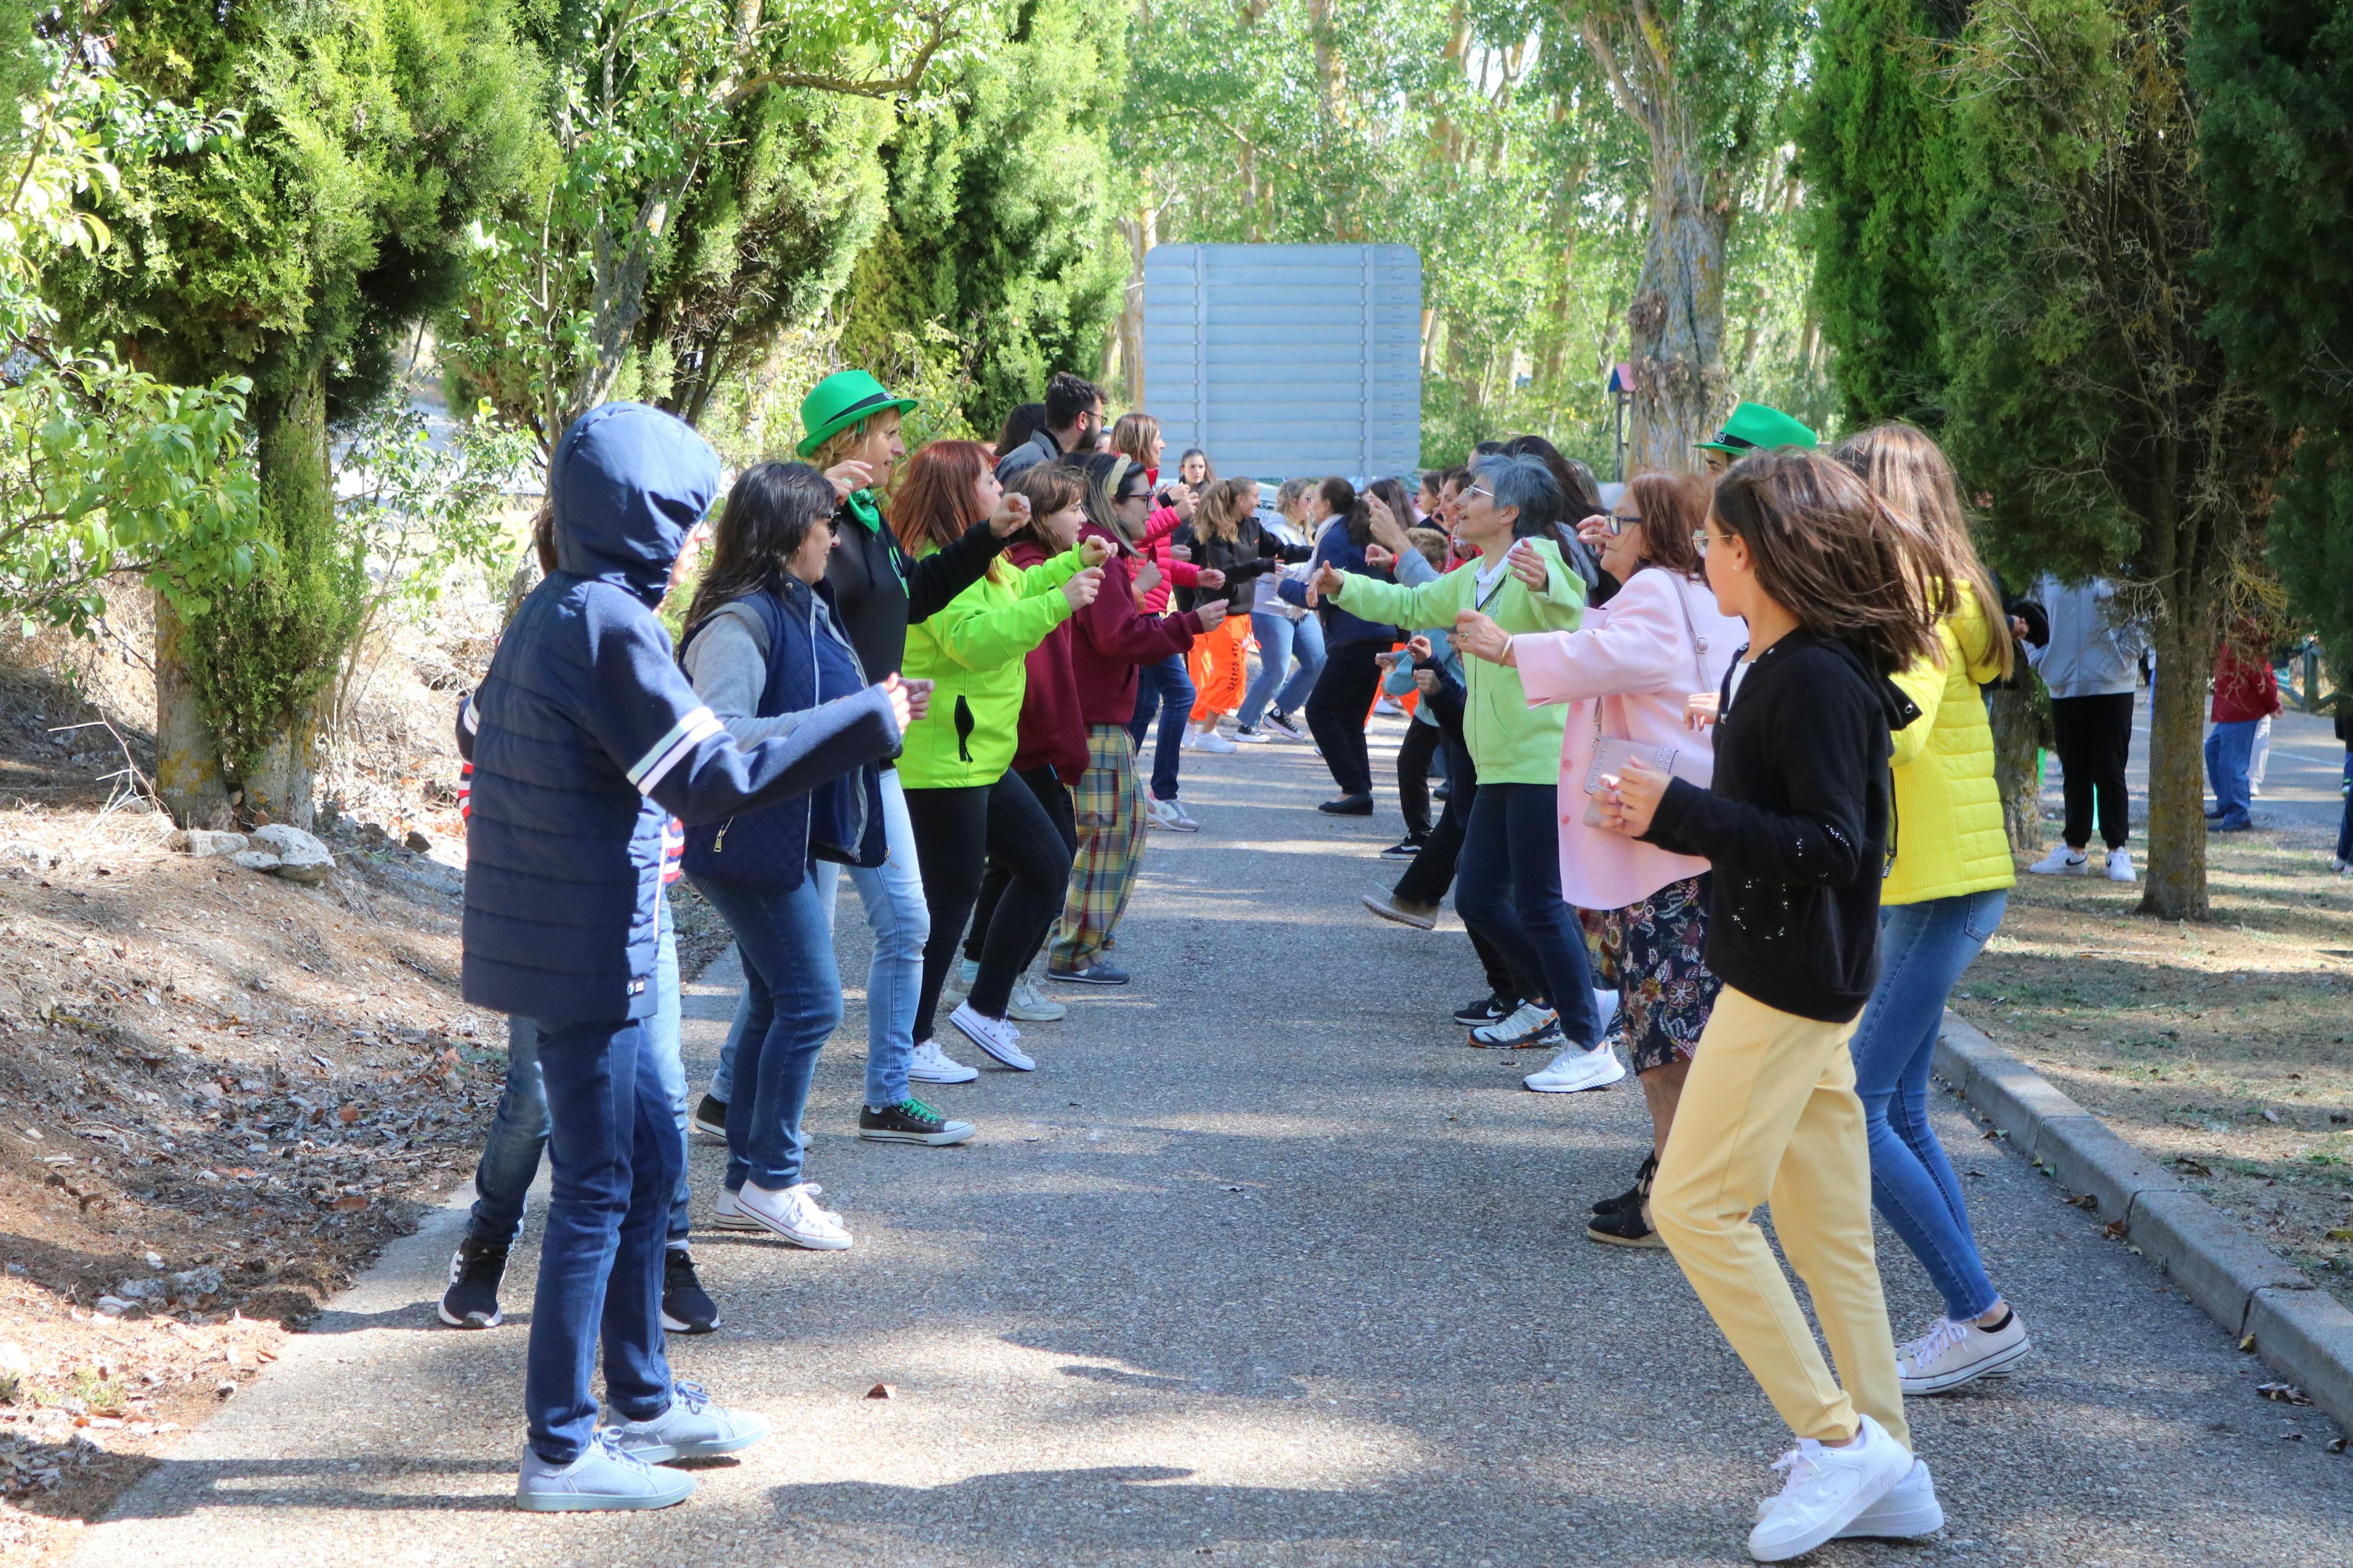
(626,484)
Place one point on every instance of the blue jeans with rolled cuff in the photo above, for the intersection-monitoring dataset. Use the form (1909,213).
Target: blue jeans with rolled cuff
(1283,644)
(792,1003)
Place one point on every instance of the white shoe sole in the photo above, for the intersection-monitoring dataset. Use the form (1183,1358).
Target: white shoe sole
(814,1243)
(955,1133)
(672,1325)
(1007,1055)
(2000,1364)
(1883,1523)
(963,1074)
(1403,917)
(586,1503)
(1593,1073)
(495,1319)
(1043,1012)
(2039,869)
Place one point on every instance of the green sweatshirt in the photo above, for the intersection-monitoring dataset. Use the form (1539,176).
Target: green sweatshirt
(1510,742)
(973,648)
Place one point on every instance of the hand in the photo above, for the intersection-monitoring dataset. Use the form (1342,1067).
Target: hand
(1147,577)
(1480,638)
(848,477)
(1182,499)
(1210,577)
(1081,589)
(1631,799)
(1387,532)
(1426,682)
(902,701)
(1388,659)
(1011,516)
(1180,553)
(1212,613)
(1528,566)
(1093,551)
(918,697)
(1699,710)
(1594,530)
(1375,555)
(1421,648)
(1327,579)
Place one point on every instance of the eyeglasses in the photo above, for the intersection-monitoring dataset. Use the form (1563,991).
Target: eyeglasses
(1478,490)
(1699,540)
(1615,523)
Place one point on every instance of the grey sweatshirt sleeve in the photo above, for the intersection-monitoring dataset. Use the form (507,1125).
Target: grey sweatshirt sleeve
(1413,569)
(728,664)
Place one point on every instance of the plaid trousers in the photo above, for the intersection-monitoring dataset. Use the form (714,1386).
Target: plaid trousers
(1109,814)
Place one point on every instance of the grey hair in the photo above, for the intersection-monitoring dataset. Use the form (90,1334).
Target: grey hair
(1526,483)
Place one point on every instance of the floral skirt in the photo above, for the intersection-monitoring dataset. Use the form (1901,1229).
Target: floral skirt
(1666,990)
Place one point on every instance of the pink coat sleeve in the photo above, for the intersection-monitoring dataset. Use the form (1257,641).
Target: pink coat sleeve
(1636,643)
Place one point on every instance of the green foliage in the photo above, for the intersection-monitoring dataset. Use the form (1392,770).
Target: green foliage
(1002,217)
(2277,137)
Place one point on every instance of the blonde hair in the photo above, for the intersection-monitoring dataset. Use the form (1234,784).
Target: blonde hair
(1132,437)
(1293,492)
(1222,507)
(837,447)
(1909,471)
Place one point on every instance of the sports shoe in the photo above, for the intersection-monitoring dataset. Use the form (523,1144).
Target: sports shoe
(1211,741)
(1486,1010)
(2061,862)
(1405,912)
(2120,869)
(1388,708)
(910,1122)
(2342,867)
(791,1213)
(1246,736)
(602,1480)
(1950,1355)
(709,1118)
(687,1308)
(472,1300)
(1526,1023)
(1348,805)
(960,980)
(998,1036)
(1628,1227)
(1403,849)
(1167,814)
(1102,972)
(1633,1194)
(692,1428)
(1284,725)
(1577,1067)
(932,1065)
(727,1214)
(1028,1006)
(1828,1489)
(1909,1510)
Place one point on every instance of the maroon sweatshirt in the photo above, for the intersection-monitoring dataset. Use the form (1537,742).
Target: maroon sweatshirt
(1053,733)
(1109,639)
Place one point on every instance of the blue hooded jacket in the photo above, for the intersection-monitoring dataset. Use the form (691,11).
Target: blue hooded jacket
(587,735)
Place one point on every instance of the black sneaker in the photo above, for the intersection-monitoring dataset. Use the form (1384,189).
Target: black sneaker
(472,1300)
(1348,805)
(1632,1196)
(910,1122)
(710,1118)
(687,1307)
(1627,1227)
(1486,1010)
(1284,725)
(1404,849)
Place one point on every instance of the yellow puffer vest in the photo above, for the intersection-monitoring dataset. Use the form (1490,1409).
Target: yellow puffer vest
(1948,834)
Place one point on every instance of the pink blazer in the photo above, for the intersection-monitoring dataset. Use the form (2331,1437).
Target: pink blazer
(1633,660)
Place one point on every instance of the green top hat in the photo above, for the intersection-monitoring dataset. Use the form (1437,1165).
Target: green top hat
(841,400)
(1753,425)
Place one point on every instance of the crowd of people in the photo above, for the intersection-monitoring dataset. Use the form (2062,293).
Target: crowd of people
(1675,730)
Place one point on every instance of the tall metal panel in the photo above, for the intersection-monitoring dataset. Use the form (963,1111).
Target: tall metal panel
(1286,359)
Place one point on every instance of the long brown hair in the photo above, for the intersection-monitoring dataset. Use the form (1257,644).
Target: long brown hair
(766,520)
(1050,488)
(1222,507)
(1132,437)
(1911,474)
(1839,558)
(1673,507)
(937,498)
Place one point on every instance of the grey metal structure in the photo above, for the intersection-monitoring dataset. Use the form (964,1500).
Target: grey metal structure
(1286,359)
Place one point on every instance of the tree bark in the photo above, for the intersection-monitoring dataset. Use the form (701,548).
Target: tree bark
(2017,742)
(2174,885)
(187,768)
(1676,321)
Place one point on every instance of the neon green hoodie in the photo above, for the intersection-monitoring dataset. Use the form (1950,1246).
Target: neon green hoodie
(974,649)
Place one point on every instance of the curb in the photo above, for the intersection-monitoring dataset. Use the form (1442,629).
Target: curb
(2266,1304)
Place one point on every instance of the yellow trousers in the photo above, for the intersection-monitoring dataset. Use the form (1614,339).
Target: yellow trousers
(1769,1113)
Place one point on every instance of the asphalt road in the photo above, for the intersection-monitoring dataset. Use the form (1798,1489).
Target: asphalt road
(1261,1266)
(2303,785)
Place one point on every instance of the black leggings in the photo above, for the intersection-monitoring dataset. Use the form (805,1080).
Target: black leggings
(1056,799)
(1421,742)
(957,833)
(2093,736)
(1337,708)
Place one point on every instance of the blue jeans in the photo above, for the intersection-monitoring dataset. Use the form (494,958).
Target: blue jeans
(1507,889)
(1168,688)
(2228,750)
(1923,949)
(791,1002)
(616,1156)
(510,1152)
(1279,640)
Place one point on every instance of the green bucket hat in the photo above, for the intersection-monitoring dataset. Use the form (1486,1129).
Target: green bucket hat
(1753,425)
(841,400)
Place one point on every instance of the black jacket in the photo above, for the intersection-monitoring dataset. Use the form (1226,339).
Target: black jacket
(880,590)
(1799,828)
(1244,559)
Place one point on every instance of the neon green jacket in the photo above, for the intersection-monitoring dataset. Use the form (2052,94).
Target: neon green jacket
(973,648)
(1510,742)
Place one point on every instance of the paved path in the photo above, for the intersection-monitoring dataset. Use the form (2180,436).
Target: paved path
(1261,1266)
(2303,787)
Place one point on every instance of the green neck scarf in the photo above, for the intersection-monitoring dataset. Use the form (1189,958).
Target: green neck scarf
(860,505)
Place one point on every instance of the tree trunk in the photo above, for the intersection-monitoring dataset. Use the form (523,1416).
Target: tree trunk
(2018,741)
(1676,321)
(2173,887)
(187,768)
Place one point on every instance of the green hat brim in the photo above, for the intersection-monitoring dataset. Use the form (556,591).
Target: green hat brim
(1720,447)
(852,416)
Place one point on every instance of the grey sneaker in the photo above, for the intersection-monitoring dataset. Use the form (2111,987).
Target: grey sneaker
(692,1428)
(602,1480)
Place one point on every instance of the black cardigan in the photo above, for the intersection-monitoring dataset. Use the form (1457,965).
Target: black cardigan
(881,590)
(1251,554)
(1799,828)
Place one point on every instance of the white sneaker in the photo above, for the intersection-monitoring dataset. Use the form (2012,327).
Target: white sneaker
(1211,741)
(1908,1511)
(1828,1489)
(2061,862)
(1577,1068)
(1388,708)
(996,1035)
(1169,814)
(1950,1355)
(932,1065)
(792,1213)
(1030,1007)
(2120,867)
(727,1214)
(1522,1025)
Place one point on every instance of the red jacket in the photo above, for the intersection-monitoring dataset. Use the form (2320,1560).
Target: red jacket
(1173,571)
(2245,687)
(1053,733)
(1109,639)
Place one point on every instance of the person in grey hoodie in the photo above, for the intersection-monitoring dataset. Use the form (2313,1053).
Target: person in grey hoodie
(2091,664)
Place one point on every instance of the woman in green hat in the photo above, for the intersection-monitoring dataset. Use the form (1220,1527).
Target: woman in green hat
(1752,426)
